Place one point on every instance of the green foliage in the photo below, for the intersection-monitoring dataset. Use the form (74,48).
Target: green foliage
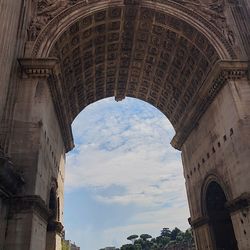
(132,237)
(138,247)
(166,232)
(166,238)
(145,236)
(128,247)
(188,236)
(174,233)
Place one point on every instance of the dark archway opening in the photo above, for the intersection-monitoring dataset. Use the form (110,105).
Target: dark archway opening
(219,217)
(53,208)
(53,204)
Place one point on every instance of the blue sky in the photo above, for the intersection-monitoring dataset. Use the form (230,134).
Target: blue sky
(123,177)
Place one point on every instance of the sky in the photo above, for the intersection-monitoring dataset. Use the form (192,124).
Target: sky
(123,176)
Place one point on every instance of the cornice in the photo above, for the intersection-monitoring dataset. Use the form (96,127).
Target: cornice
(37,67)
(239,203)
(34,203)
(55,226)
(198,222)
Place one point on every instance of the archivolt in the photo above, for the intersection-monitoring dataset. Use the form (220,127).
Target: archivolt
(60,23)
(213,177)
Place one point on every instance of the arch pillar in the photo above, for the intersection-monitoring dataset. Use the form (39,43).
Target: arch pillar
(202,233)
(213,135)
(239,210)
(218,148)
(38,154)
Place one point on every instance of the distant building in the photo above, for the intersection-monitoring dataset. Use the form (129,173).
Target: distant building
(68,245)
(109,248)
(74,247)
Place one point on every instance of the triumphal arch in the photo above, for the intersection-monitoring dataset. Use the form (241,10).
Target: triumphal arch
(188,58)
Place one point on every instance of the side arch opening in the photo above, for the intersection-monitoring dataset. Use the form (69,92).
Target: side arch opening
(221,226)
(53,204)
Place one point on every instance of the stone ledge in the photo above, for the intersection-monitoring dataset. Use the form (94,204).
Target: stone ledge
(198,222)
(55,226)
(37,67)
(239,203)
(29,203)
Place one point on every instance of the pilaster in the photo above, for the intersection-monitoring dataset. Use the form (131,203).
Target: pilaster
(217,148)
(37,151)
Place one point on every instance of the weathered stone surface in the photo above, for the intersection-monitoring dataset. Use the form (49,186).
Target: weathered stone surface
(190,59)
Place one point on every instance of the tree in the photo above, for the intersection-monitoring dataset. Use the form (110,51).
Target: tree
(132,238)
(188,236)
(166,232)
(138,247)
(174,233)
(128,247)
(167,238)
(162,240)
(180,237)
(145,236)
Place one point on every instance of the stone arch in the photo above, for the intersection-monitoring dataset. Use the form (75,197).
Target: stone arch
(213,177)
(53,203)
(52,200)
(171,54)
(53,30)
(215,196)
(142,49)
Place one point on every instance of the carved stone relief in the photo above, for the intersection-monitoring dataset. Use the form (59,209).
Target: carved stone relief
(213,12)
(134,51)
(45,11)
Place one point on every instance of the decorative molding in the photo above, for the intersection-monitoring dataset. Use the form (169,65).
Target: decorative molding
(222,72)
(201,221)
(208,15)
(34,203)
(239,203)
(37,67)
(240,13)
(64,117)
(213,12)
(46,10)
(132,2)
(42,34)
(234,3)
(213,176)
(224,35)
(126,71)
(55,226)
(160,69)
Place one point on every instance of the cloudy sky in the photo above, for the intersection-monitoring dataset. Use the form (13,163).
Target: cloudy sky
(123,177)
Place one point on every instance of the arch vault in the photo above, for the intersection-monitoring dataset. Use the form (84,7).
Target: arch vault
(190,59)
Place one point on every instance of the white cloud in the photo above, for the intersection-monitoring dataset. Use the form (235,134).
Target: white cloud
(127,145)
(133,153)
